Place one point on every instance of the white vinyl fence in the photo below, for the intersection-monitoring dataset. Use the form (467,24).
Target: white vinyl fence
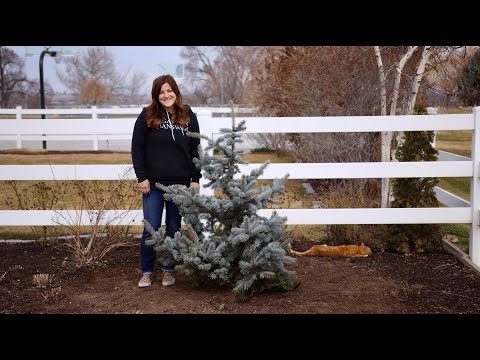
(94,124)
(210,125)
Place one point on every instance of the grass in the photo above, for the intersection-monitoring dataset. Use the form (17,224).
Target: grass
(462,231)
(68,200)
(458,186)
(455,141)
(74,159)
(454,110)
(295,198)
(313,233)
(40,158)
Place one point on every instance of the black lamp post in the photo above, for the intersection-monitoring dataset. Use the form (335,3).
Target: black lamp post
(42,91)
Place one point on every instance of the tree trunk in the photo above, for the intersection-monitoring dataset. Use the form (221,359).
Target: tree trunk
(386,136)
(418,78)
(387,150)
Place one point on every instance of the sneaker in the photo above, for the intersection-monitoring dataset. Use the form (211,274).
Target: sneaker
(168,278)
(145,281)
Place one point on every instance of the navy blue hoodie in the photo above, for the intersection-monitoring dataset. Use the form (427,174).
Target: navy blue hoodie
(165,155)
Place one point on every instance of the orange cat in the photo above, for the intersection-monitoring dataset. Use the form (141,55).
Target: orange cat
(340,250)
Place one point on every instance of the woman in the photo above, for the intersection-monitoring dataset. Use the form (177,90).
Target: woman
(161,152)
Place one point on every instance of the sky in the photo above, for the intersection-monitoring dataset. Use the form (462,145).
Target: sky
(138,58)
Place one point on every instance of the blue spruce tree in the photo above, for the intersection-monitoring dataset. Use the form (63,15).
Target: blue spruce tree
(225,241)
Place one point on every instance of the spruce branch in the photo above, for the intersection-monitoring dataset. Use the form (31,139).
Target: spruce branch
(225,241)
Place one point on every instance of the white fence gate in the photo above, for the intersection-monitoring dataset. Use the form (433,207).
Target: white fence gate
(114,128)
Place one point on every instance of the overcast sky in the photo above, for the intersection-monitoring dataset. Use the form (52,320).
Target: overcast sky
(139,58)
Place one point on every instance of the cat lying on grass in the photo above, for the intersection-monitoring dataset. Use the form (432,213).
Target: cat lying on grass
(340,250)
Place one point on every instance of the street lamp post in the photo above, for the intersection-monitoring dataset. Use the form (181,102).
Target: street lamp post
(221,83)
(42,90)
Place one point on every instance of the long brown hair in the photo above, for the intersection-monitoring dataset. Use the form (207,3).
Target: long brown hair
(155,114)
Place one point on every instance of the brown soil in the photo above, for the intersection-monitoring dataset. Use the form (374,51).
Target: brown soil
(379,284)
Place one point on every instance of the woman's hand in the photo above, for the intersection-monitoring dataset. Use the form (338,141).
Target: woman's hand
(144,186)
(195,186)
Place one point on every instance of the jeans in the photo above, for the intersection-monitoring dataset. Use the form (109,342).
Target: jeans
(152,212)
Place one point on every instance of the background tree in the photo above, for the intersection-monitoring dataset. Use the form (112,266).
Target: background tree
(94,93)
(415,192)
(441,87)
(98,63)
(217,73)
(408,64)
(333,81)
(315,81)
(14,84)
(319,81)
(469,81)
(226,240)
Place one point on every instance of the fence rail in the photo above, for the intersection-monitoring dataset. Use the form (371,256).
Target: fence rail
(26,128)
(210,125)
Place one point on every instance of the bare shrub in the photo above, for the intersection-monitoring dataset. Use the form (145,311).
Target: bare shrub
(335,147)
(38,196)
(355,193)
(52,293)
(94,200)
(15,267)
(307,233)
(277,142)
(42,280)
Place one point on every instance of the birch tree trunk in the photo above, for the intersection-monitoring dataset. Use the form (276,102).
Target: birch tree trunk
(387,136)
(418,78)
(409,108)
(398,77)
(393,111)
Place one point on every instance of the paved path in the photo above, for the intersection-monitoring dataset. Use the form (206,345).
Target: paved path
(447,156)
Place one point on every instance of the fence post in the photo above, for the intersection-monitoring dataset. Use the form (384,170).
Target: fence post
(205,121)
(18,114)
(474,244)
(95,136)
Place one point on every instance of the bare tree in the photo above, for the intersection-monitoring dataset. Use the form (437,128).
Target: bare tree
(441,81)
(14,84)
(318,81)
(200,69)
(315,81)
(220,74)
(98,63)
(133,88)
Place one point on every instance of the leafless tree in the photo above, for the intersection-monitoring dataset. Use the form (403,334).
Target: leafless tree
(98,63)
(133,88)
(14,84)
(216,73)
(319,81)
(441,81)
(315,81)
